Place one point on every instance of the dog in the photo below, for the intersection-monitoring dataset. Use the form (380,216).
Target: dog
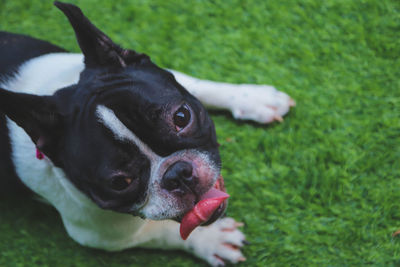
(124,150)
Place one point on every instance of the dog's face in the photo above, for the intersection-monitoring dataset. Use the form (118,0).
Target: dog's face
(127,134)
(138,142)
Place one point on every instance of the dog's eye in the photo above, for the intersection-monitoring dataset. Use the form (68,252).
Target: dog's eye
(120,183)
(182,117)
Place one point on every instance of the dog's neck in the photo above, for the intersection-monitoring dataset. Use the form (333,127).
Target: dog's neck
(42,76)
(77,210)
(45,74)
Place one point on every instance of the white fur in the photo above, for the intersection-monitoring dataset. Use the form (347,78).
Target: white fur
(45,74)
(84,221)
(260,103)
(121,132)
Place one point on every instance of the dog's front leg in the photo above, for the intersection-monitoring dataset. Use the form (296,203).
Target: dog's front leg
(217,243)
(260,103)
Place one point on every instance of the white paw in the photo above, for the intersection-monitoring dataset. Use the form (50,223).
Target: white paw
(260,103)
(218,243)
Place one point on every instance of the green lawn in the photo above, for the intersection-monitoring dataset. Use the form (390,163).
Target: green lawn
(320,189)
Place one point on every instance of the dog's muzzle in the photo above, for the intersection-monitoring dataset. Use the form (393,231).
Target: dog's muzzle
(210,207)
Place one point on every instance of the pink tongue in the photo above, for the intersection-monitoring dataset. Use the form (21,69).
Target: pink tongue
(203,210)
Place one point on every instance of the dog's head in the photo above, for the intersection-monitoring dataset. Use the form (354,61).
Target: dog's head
(127,134)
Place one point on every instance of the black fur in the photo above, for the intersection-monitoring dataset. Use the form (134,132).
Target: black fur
(143,96)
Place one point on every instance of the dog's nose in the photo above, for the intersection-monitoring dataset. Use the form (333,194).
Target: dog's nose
(179,177)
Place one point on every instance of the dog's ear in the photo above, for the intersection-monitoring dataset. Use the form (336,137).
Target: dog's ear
(99,50)
(38,116)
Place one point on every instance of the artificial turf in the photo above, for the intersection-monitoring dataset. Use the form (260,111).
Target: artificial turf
(322,188)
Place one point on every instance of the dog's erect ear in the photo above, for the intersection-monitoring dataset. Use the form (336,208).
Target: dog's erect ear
(99,50)
(38,116)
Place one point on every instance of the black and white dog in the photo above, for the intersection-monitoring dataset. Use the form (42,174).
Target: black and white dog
(120,147)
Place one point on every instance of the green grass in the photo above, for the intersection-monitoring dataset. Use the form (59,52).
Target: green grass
(320,189)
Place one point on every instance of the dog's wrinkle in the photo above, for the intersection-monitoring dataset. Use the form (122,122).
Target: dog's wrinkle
(105,204)
(120,84)
(122,203)
(107,76)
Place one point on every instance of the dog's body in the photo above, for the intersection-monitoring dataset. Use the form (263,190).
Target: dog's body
(35,67)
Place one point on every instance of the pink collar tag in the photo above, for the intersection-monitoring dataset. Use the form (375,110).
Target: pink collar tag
(39,154)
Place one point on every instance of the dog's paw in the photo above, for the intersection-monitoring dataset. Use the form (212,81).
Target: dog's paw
(260,103)
(219,242)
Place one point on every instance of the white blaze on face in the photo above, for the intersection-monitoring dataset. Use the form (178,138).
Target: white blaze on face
(161,204)
(122,133)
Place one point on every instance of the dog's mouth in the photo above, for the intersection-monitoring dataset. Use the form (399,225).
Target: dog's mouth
(210,207)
